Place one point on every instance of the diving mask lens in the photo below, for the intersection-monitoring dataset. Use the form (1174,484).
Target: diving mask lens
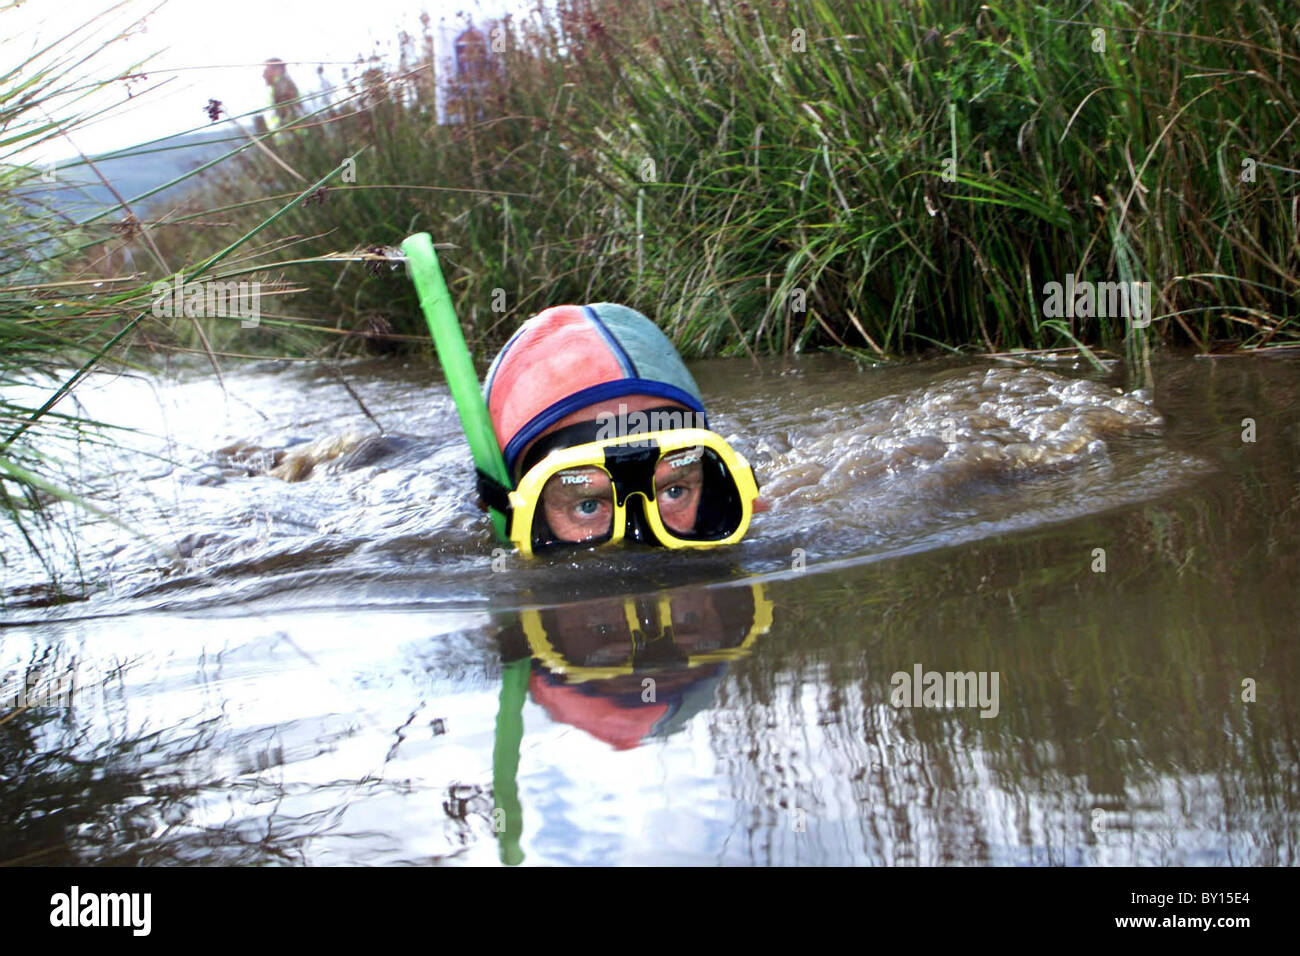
(696,495)
(576,507)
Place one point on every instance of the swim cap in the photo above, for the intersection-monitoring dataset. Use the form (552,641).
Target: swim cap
(625,720)
(571,356)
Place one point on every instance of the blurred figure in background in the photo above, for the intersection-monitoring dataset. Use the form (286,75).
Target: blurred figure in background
(283,108)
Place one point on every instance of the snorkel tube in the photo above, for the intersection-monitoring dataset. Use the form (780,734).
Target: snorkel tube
(457,366)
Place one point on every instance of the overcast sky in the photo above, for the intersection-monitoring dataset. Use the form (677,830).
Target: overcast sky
(208,49)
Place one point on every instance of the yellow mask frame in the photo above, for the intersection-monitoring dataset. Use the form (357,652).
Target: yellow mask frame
(623,461)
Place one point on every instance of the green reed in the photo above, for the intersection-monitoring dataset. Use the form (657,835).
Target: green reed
(871,176)
(70,303)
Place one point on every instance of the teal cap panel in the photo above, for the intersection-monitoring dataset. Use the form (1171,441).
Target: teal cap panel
(652,354)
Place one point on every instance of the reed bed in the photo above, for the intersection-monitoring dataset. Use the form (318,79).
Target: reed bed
(873,176)
(71,300)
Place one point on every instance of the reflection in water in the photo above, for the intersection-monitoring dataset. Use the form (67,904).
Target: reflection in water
(340,673)
(623,671)
(85,780)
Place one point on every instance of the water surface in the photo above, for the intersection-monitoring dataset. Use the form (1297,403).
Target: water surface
(340,669)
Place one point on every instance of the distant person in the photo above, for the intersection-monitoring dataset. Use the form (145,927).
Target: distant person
(326,94)
(283,108)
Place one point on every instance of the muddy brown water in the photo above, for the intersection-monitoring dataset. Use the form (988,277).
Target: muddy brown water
(998,614)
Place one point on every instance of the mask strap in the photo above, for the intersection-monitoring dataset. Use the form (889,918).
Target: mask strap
(492,493)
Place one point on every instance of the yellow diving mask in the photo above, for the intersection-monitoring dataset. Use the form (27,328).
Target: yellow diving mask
(680,488)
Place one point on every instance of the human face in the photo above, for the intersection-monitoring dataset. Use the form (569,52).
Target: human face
(578,502)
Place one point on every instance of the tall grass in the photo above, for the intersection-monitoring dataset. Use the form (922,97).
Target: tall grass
(872,175)
(63,314)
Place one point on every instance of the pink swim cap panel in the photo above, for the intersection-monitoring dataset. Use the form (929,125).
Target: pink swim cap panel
(556,354)
(570,357)
(617,724)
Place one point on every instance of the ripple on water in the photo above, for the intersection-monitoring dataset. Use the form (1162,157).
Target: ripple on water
(306,497)
(318,697)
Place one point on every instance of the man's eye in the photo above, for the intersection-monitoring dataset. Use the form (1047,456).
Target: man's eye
(588,506)
(674,491)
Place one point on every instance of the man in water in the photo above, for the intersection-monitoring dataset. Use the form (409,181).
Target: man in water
(605,437)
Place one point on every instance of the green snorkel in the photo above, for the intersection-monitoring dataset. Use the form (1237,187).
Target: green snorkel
(457,366)
(462,381)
